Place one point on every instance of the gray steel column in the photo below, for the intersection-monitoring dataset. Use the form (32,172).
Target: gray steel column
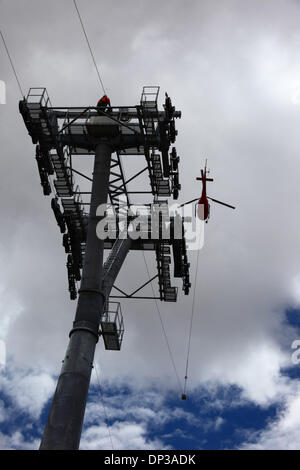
(64,424)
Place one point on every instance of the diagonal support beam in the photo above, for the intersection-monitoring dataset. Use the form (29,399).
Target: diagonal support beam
(137,290)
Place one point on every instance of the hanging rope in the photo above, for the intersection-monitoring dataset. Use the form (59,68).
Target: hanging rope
(89,46)
(191,326)
(104,408)
(12,65)
(163,328)
(22,94)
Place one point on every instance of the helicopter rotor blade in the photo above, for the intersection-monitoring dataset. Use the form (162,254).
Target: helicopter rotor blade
(220,202)
(189,202)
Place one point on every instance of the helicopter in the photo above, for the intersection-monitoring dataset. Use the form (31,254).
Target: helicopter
(203,207)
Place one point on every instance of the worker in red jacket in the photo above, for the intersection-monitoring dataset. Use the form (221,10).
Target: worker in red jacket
(103,104)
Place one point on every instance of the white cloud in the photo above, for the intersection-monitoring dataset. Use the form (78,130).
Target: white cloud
(3,411)
(147,408)
(16,441)
(283,432)
(10,310)
(256,371)
(125,435)
(28,389)
(219,422)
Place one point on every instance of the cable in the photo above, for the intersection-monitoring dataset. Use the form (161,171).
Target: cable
(12,65)
(191,325)
(163,328)
(102,401)
(89,46)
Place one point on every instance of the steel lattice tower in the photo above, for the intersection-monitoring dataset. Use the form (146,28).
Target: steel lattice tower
(60,135)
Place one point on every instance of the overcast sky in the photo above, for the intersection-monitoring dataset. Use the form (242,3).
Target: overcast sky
(232,68)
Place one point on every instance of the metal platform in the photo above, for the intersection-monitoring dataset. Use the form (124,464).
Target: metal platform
(64,180)
(112,326)
(63,134)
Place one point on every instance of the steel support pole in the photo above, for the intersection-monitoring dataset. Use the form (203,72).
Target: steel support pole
(64,424)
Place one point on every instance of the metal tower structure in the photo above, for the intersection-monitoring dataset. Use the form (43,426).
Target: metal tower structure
(109,136)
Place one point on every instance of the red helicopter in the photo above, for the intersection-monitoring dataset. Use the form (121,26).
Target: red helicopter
(203,206)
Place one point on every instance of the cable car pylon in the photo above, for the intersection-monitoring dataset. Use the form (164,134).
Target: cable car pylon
(108,135)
